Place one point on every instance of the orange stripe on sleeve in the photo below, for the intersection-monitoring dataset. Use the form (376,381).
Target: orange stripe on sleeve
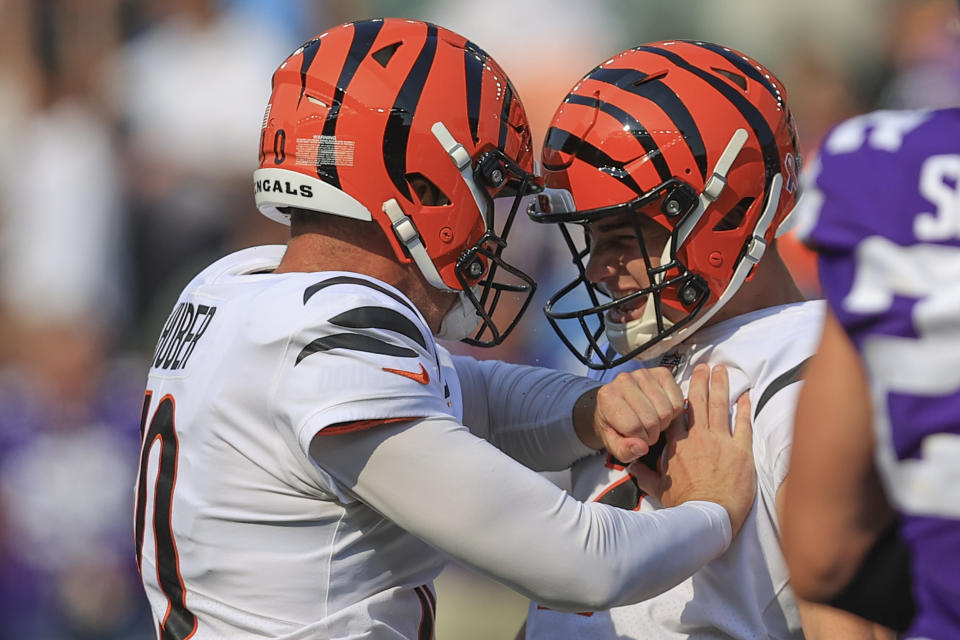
(359,425)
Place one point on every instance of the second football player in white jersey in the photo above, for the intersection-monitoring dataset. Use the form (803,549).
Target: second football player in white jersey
(744,593)
(679,161)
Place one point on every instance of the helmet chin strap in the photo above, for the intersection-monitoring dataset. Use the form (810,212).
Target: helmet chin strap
(463,318)
(462,161)
(627,336)
(406,232)
(713,187)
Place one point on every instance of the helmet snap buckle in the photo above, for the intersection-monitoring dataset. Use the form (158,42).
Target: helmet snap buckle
(475,269)
(692,290)
(680,200)
(492,169)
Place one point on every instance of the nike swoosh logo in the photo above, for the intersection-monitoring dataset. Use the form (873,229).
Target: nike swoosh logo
(423,377)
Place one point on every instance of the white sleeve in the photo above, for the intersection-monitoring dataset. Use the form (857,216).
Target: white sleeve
(526,412)
(458,493)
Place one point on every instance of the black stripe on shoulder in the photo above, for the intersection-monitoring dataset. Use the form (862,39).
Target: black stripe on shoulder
(782,381)
(427,614)
(431,597)
(323,284)
(625,494)
(354,342)
(380,318)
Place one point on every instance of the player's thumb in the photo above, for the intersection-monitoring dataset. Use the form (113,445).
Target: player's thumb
(647,479)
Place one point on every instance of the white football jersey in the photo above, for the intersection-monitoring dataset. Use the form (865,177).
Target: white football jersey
(243,392)
(744,593)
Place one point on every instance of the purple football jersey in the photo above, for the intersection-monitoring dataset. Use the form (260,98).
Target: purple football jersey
(883,212)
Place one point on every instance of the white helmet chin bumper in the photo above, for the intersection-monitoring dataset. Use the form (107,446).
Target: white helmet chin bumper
(624,337)
(461,321)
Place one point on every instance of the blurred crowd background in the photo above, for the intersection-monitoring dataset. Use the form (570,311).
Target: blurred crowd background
(128,133)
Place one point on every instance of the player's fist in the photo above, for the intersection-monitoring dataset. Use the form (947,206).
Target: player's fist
(629,412)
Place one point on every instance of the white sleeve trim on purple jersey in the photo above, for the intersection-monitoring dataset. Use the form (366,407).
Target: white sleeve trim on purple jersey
(458,493)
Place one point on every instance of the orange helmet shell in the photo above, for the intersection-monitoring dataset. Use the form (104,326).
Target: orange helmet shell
(349,124)
(668,109)
(665,113)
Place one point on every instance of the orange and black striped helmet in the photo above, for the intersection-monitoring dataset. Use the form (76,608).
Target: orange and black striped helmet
(697,137)
(365,114)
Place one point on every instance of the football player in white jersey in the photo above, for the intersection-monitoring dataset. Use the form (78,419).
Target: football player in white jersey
(679,161)
(310,452)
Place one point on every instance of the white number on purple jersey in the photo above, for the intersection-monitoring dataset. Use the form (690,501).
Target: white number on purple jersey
(928,365)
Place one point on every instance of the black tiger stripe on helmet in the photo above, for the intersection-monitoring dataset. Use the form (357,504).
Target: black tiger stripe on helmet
(474,59)
(364,35)
(654,89)
(630,124)
(565,141)
(396,136)
(745,66)
(751,114)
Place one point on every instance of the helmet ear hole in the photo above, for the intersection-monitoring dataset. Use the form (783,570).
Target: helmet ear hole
(735,216)
(427,192)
